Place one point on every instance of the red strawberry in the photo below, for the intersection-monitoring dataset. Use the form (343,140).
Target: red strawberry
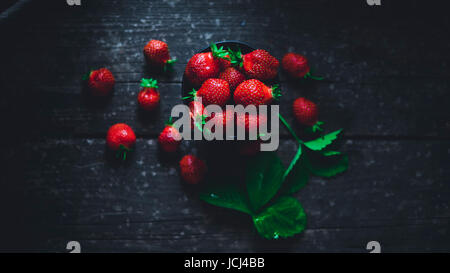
(233,76)
(170,138)
(157,54)
(100,82)
(255,92)
(223,118)
(213,91)
(121,138)
(192,169)
(258,64)
(251,121)
(148,97)
(306,113)
(296,66)
(203,66)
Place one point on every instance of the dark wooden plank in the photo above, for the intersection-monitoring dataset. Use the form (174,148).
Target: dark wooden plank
(413,109)
(362,46)
(394,192)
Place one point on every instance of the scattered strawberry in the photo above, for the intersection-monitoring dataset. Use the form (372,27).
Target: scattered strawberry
(306,113)
(100,82)
(258,64)
(121,138)
(296,66)
(170,138)
(203,66)
(213,91)
(192,169)
(157,54)
(148,97)
(255,92)
(233,76)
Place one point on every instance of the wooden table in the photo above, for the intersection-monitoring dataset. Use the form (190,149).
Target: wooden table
(387,83)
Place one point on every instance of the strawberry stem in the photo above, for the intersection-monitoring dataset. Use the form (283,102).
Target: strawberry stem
(289,128)
(149,83)
(310,76)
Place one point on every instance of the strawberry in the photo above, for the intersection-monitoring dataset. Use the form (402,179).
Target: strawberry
(213,91)
(258,64)
(100,82)
(255,92)
(148,97)
(157,54)
(223,118)
(170,138)
(192,169)
(306,113)
(296,66)
(233,76)
(203,66)
(251,121)
(121,138)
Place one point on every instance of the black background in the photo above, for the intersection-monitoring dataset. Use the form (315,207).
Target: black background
(387,81)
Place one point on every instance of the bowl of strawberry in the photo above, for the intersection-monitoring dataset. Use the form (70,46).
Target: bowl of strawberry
(231,73)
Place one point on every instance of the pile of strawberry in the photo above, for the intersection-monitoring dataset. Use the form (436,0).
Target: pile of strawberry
(226,76)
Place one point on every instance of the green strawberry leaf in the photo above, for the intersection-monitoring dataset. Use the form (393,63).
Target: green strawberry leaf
(327,166)
(323,141)
(330,153)
(297,178)
(226,195)
(264,177)
(284,218)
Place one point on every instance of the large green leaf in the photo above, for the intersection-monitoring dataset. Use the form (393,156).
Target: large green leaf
(283,219)
(328,166)
(264,177)
(227,195)
(297,178)
(323,141)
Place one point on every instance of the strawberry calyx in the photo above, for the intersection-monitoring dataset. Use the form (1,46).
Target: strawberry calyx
(191,95)
(236,58)
(308,75)
(86,76)
(168,66)
(276,91)
(169,122)
(149,83)
(122,152)
(219,53)
(316,127)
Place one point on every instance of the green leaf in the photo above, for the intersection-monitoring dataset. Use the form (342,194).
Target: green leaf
(323,141)
(226,195)
(328,166)
(330,153)
(264,177)
(298,177)
(284,218)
